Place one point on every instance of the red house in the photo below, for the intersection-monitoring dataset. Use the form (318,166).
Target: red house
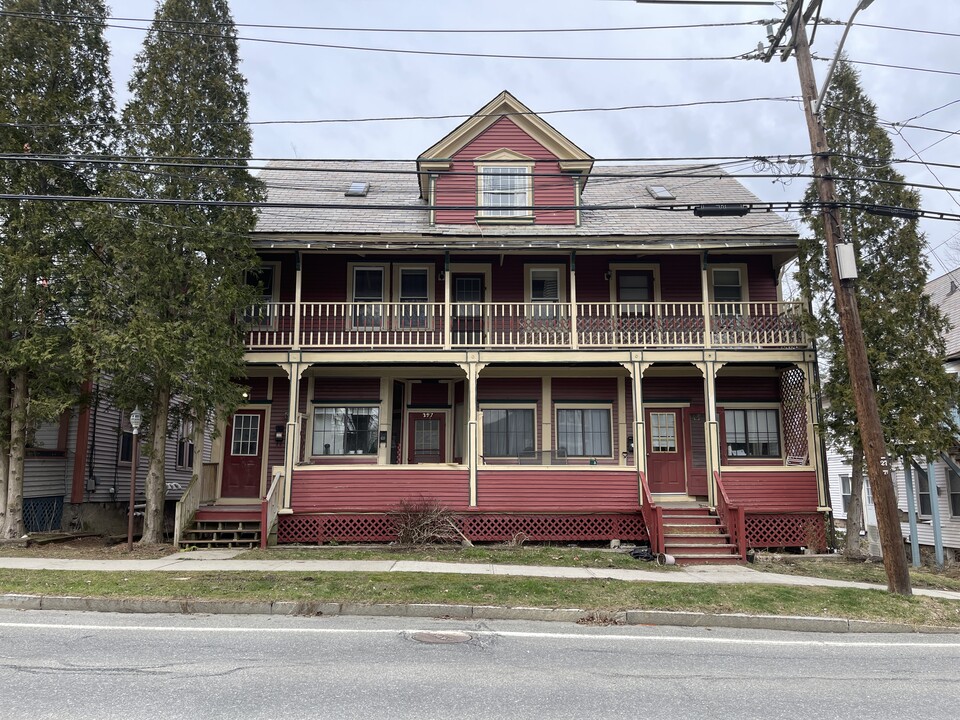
(547,346)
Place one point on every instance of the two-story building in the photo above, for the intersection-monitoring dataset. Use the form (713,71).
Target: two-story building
(554,349)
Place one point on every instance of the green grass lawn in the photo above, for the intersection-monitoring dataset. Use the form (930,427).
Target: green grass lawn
(595,595)
(856,571)
(554,556)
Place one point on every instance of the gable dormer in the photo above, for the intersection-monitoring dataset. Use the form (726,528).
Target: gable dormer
(504,165)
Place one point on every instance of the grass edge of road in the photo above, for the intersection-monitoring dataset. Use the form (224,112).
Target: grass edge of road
(600,595)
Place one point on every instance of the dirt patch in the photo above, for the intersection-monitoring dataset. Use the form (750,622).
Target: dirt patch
(86,548)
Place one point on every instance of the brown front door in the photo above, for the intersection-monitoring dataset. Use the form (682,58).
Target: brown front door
(243,455)
(665,457)
(427,437)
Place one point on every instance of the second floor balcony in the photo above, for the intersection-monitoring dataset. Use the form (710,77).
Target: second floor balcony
(565,326)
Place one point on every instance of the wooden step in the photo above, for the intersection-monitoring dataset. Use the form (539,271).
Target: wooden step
(689,548)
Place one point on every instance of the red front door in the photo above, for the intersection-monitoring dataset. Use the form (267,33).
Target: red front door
(427,437)
(243,455)
(665,457)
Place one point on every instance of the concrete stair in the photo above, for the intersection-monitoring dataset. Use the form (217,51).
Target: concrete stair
(695,536)
(224,527)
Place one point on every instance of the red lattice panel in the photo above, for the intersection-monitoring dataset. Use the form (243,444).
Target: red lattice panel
(773,530)
(479,527)
(793,401)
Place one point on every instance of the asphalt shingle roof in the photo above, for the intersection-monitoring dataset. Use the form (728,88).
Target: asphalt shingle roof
(395,184)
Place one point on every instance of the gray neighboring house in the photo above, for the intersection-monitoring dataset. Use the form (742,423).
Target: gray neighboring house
(77,470)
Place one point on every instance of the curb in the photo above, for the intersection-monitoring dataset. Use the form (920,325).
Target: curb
(466,612)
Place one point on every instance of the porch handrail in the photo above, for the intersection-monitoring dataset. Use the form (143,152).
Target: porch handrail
(733,516)
(652,516)
(202,488)
(270,507)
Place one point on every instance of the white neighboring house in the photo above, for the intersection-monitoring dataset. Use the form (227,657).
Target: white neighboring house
(942,495)
(77,471)
(839,473)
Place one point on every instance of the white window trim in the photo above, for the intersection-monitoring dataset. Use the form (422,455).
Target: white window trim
(334,404)
(950,491)
(677,414)
(352,267)
(561,271)
(643,267)
(397,285)
(744,280)
(931,491)
(185,436)
(511,406)
(557,407)
(756,406)
(498,159)
(269,321)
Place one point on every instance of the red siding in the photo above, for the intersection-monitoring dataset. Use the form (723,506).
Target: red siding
(346,388)
(672,389)
(278,416)
(784,491)
(761,279)
(457,189)
(258,389)
(743,389)
(552,491)
(376,489)
(287,281)
(434,394)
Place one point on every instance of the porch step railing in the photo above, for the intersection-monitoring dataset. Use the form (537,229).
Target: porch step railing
(201,490)
(270,507)
(652,516)
(733,516)
(596,325)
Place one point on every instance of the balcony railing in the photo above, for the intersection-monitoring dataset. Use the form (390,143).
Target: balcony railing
(418,326)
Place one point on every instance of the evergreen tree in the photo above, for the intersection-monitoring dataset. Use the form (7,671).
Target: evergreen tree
(55,98)
(904,332)
(169,320)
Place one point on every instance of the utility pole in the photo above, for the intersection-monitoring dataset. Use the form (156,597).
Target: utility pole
(868,416)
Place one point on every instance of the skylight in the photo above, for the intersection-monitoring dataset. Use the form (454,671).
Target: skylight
(659,192)
(358,189)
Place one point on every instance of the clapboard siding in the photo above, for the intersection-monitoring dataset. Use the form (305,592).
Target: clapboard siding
(745,389)
(376,489)
(433,394)
(949,525)
(550,186)
(278,416)
(333,389)
(672,389)
(785,491)
(550,491)
(45,476)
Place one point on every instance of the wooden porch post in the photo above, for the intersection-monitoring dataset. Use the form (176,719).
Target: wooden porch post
(472,368)
(297,304)
(447,294)
(292,449)
(709,370)
(705,294)
(637,369)
(814,448)
(574,339)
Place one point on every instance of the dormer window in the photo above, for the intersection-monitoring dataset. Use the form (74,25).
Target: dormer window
(503,191)
(504,187)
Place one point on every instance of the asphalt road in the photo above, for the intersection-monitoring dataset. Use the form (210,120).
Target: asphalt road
(104,666)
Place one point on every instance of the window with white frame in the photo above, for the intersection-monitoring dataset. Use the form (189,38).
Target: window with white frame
(953,487)
(125,444)
(368,296)
(414,295)
(728,289)
(185,445)
(923,491)
(585,432)
(346,430)
(845,492)
(752,433)
(663,432)
(265,279)
(504,190)
(545,293)
(508,432)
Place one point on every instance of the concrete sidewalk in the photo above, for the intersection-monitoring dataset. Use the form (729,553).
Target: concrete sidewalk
(221,561)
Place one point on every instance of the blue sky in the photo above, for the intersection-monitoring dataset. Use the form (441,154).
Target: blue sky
(289,82)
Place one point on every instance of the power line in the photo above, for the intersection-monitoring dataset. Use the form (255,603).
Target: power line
(895,67)
(459,116)
(760,207)
(909,30)
(435,31)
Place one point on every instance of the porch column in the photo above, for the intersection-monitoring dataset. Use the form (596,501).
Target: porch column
(636,369)
(447,294)
(472,368)
(296,305)
(712,434)
(292,450)
(574,339)
(705,294)
(911,510)
(814,446)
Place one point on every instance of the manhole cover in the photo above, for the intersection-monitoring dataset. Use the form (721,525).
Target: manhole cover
(441,638)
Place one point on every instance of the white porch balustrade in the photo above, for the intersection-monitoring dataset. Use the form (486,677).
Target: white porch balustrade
(417,326)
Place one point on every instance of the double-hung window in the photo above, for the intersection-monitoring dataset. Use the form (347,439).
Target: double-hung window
(346,430)
(414,297)
(264,314)
(752,433)
(953,487)
(845,492)
(508,432)
(185,445)
(923,491)
(504,191)
(368,289)
(585,432)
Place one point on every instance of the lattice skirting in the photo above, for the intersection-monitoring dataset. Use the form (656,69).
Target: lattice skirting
(480,527)
(769,530)
(43,514)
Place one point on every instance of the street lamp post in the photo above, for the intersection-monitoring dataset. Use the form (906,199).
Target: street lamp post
(136,418)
